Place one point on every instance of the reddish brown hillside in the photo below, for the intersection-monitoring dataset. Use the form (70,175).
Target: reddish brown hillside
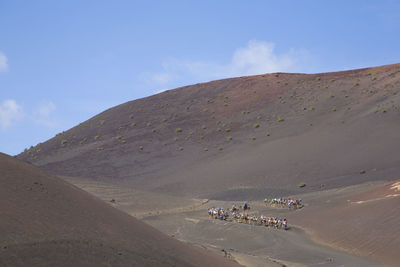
(242,137)
(47,222)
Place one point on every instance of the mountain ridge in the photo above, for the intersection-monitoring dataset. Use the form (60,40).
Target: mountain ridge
(148,143)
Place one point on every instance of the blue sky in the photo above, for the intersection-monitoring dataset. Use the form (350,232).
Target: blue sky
(62,62)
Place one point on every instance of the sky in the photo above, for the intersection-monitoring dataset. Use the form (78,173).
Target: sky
(62,62)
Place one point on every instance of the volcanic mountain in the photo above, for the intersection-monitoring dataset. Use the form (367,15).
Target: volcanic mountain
(48,222)
(241,138)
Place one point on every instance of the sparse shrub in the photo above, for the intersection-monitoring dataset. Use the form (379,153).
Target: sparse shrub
(163,119)
(256,125)
(225,104)
(180,148)
(217,122)
(331,95)
(304,108)
(311,108)
(148,124)
(141,148)
(38,150)
(205,110)
(205,149)
(227,130)
(384,110)
(154,130)
(220,148)
(318,78)
(267,134)
(334,108)
(229,138)
(96,137)
(280,119)
(118,137)
(253,138)
(332,80)
(259,117)
(356,84)
(100,148)
(302,184)
(178,130)
(133,124)
(346,96)
(131,117)
(203,127)
(219,130)
(64,142)
(102,122)
(244,112)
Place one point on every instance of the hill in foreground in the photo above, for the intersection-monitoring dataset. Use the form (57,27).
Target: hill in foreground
(48,222)
(241,138)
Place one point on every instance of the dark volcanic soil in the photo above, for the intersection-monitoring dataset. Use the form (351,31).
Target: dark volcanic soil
(48,222)
(245,139)
(364,220)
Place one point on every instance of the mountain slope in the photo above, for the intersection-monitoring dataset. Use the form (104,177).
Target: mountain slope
(48,222)
(363,220)
(241,138)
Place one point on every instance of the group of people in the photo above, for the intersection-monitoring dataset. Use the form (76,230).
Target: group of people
(234,215)
(291,203)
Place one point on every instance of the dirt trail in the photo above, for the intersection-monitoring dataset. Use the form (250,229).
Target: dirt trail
(249,244)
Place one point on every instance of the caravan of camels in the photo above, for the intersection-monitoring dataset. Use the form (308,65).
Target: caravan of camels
(291,203)
(234,214)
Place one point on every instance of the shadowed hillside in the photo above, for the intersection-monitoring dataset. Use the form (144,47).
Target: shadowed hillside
(48,222)
(241,138)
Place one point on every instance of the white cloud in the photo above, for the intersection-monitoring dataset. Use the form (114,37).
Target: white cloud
(42,114)
(10,112)
(3,63)
(257,57)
